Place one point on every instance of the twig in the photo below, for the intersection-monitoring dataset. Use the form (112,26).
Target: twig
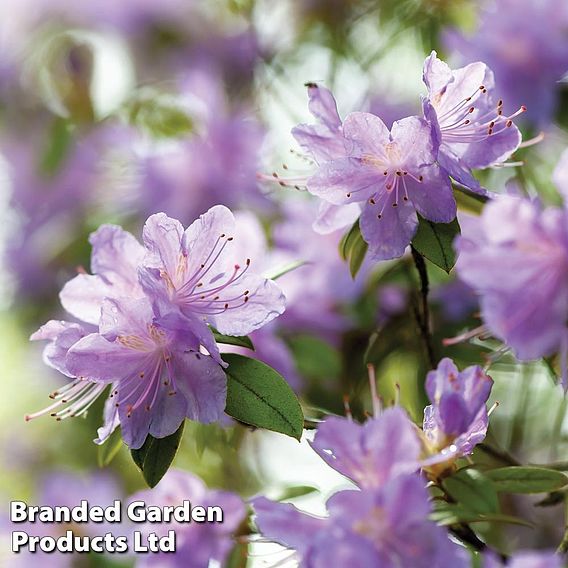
(424,320)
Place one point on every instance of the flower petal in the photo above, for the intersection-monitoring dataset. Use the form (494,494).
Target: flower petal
(433,197)
(203,384)
(388,236)
(367,133)
(337,179)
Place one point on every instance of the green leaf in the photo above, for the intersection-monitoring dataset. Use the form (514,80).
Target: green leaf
(447,514)
(259,396)
(155,457)
(471,489)
(108,451)
(315,358)
(159,113)
(434,241)
(353,249)
(241,341)
(526,479)
(281,270)
(470,202)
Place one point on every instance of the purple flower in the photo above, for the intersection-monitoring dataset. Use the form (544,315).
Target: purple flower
(457,418)
(394,174)
(371,453)
(188,176)
(197,544)
(149,347)
(517,261)
(387,526)
(48,205)
(204,274)
(315,291)
(62,488)
(524,43)
(114,259)
(469,124)
(159,376)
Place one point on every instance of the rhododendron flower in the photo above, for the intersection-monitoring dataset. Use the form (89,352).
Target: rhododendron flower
(371,453)
(457,418)
(524,43)
(387,526)
(203,274)
(469,124)
(394,174)
(160,376)
(197,544)
(149,347)
(114,260)
(517,261)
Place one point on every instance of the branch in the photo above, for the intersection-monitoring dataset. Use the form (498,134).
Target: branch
(423,320)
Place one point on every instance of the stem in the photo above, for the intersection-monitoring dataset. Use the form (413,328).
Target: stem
(423,320)
(462,530)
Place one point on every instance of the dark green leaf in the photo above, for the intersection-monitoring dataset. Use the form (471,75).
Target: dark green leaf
(451,514)
(107,452)
(353,249)
(471,489)
(434,241)
(527,479)
(259,396)
(156,455)
(314,357)
(241,341)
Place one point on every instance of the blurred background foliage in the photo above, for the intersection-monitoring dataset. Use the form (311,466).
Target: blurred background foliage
(110,111)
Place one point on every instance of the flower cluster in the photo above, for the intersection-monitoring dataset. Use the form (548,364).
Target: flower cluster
(391,176)
(145,324)
(384,521)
